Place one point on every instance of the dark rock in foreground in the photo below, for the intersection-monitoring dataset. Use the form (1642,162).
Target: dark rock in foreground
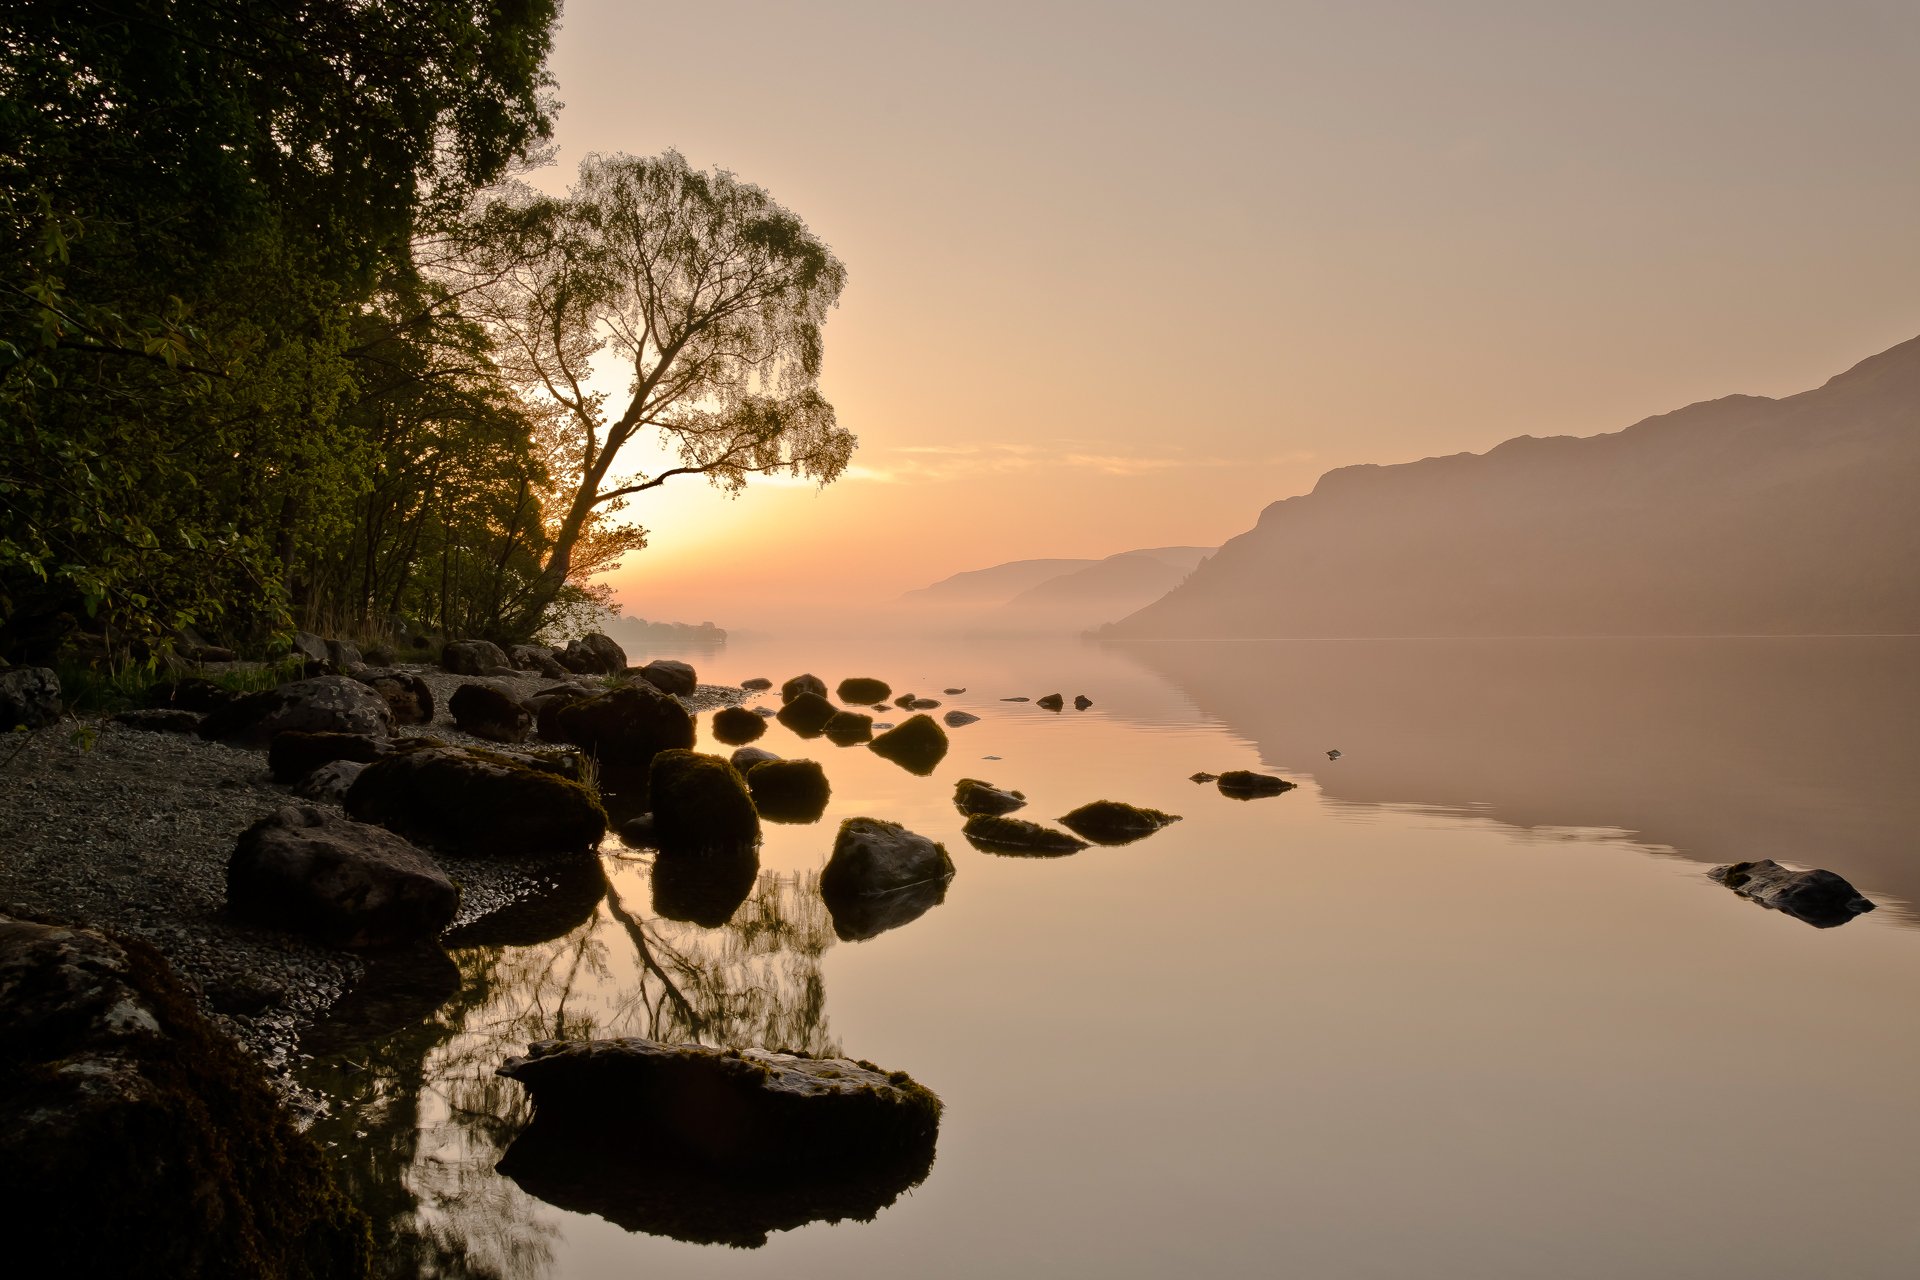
(670,676)
(808,683)
(531,657)
(487,712)
(917,744)
(135,1141)
(330,783)
(594,654)
(744,758)
(1819,898)
(699,802)
(792,791)
(293,755)
(991,834)
(475,658)
(970,796)
(735,725)
(477,803)
(863,690)
(348,883)
(716,1146)
(1244,784)
(625,726)
(1112,822)
(323,704)
(882,876)
(408,698)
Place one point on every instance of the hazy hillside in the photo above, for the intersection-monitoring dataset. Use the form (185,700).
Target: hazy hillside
(994,585)
(1741,515)
(1058,595)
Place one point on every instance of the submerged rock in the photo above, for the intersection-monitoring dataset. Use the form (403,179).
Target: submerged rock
(625,726)
(699,802)
(670,676)
(487,712)
(970,796)
(135,1140)
(735,725)
(1820,898)
(1016,699)
(1112,822)
(791,791)
(475,658)
(1204,777)
(863,690)
(958,719)
(916,745)
(1244,784)
(991,833)
(847,728)
(1052,702)
(807,713)
(716,1145)
(808,683)
(478,803)
(952,692)
(407,696)
(348,883)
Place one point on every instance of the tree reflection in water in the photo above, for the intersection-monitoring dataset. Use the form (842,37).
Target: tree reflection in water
(419,1119)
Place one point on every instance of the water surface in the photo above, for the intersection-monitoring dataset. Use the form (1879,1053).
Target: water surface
(1463,1004)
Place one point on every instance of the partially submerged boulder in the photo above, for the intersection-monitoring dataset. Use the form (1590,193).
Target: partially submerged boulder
(862,690)
(700,802)
(970,796)
(1819,897)
(490,713)
(1052,702)
(137,1141)
(808,683)
(847,728)
(735,725)
(474,802)
(881,876)
(1244,784)
(322,704)
(407,695)
(958,719)
(991,833)
(475,658)
(348,883)
(756,683)
(792,791)
(626,726)
(1081,702)
(1113,822)
(294,754)
(744,758)
(917,744)
(670,676)
(807,713)
(716,1145)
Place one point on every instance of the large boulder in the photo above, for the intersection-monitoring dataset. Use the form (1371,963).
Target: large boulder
(699,802)
(716,1145)
(1114,822)
(475,658)
(807,713)
(737,725)
(29,696)
(348,883)
(917,744)
(744,758)
(309,647)
(625,726)
(323,704)
(472,802)
(487,712)
(808,683)
(408,697)
(669,676)
(1820,898)
(794,791)
(330,783)
(847,728)
(294,754)
(532,657)
(881,876)
(863,690)
(971,796)
(991,833)
(1052,702)
(138,1142)
(592,655)
(344,655)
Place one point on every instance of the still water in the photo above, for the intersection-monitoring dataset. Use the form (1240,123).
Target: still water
(1464,1004)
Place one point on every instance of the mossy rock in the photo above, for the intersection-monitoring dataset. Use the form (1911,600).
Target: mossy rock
(294,754)
(477,802)
(737,725)
(917,744)
(991,833)
(807,713)
(848,728)
(1244,784)
(970,796)
(791,791)
(628,725)
(808,683)
(863,690)
(700,802)
(1113,822)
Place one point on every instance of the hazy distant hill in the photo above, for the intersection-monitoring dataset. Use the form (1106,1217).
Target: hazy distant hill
(992,586)
(1734,516)
(1060,595)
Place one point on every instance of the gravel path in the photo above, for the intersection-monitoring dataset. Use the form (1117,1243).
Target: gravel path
(131,833)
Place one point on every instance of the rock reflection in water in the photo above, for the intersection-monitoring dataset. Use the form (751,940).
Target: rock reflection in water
(857,917)
(419,1120)
(704,888)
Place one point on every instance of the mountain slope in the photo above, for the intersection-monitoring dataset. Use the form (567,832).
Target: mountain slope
(1105,589)
(993,585)
(1733,516)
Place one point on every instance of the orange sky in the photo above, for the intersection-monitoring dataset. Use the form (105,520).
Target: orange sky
(1120,274)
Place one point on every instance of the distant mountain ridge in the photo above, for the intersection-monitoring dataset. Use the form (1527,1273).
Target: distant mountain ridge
(1743,515)
(1060,595)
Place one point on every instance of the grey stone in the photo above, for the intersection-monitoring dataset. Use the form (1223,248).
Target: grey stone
(487,712)
(330,783)
(475,658)
(348,883)
(670,676)
(29,696)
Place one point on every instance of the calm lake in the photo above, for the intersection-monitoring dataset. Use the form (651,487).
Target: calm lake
(1463,1004)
